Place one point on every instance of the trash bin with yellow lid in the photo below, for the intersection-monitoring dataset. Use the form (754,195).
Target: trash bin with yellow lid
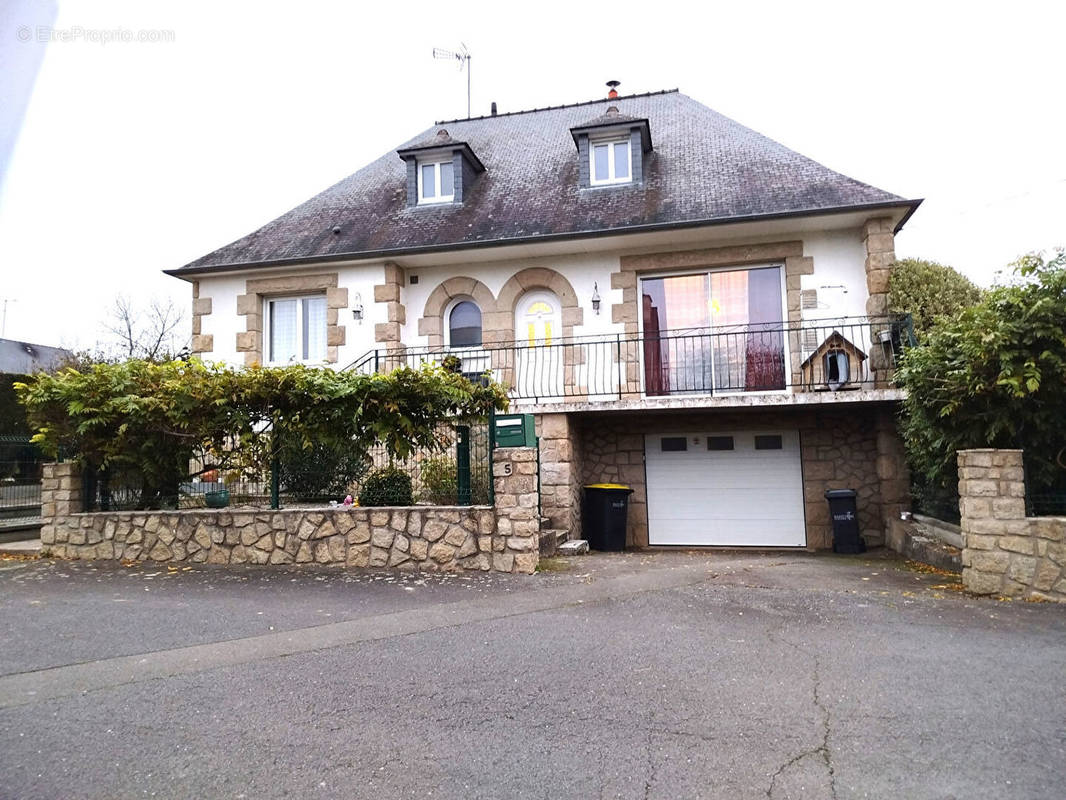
(603,519)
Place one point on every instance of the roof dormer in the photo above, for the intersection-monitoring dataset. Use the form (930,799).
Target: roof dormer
(439,170)
(611,149)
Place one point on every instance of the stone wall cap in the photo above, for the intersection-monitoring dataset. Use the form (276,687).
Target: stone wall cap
(290,510)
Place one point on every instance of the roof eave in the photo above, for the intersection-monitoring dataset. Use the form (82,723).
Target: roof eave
(642,123)
(451,147)
(206,269)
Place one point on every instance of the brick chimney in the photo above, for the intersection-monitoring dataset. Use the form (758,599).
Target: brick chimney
(613,86)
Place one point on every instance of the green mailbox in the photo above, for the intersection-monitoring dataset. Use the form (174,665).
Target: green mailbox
(515,430)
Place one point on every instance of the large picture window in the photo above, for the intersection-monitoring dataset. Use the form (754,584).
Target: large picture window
(296,329)
(715,331)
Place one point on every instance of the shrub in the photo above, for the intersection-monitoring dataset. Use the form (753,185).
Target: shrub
(386,486)
(992,376)
(929,291)
(156,418)
(440,480)
(321,471)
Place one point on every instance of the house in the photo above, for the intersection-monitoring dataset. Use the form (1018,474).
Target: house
(647,275)
(24,358)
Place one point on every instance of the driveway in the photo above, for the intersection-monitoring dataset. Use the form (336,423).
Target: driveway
(664,675)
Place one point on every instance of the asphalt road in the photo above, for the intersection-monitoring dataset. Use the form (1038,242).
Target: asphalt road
(672,675)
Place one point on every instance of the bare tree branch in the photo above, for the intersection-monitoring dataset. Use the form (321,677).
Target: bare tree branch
(152,333)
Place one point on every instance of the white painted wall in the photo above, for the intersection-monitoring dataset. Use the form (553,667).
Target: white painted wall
(838,255)
(223,323)
(839,260)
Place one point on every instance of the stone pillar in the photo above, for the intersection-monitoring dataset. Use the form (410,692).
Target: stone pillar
(560,471)
(516,543)
(201,307)
(389,293)
(892,471)
(61,496)
(880,244)
(1004,552)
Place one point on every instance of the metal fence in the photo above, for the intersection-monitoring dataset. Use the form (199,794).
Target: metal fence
(838,354)
(20,477)
(459,474)
(1046,504)
(937,502)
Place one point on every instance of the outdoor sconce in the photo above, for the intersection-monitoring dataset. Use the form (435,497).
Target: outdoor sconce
(595,298)
(357,309)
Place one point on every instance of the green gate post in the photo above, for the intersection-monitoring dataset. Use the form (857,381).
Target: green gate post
(492,450)
(462,464)
(275,493)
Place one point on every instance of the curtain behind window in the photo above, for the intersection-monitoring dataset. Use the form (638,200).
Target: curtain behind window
(282,331)
(314,328)
(765,358)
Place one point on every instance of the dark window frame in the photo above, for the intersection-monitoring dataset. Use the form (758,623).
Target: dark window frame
(769,441)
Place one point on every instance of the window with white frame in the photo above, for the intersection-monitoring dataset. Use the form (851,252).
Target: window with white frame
(610,161)
(295,329)
(436,183)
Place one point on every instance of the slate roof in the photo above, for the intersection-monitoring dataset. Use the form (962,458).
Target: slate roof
(25,358)
(704,169)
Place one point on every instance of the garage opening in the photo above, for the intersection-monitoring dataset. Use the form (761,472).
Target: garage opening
(733,489)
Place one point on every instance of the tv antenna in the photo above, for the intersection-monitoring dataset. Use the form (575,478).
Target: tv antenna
(3,323)
(463,57)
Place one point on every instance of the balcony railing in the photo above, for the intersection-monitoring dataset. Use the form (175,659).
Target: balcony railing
(828,355)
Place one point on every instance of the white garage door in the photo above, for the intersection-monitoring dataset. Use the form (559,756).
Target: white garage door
(732,488)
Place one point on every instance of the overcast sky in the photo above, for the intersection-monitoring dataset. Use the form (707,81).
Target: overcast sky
(133,157)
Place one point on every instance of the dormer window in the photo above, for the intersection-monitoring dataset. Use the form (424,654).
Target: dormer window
(440,170)
(610,161)
(436,182)
(613,149)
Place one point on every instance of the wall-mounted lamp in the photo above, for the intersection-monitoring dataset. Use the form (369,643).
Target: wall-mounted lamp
(596,298)
(357,308)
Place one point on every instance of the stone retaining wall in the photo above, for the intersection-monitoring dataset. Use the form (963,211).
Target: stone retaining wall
(448,538)
(1004,551)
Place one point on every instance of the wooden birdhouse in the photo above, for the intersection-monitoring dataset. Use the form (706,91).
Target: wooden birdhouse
(834,365)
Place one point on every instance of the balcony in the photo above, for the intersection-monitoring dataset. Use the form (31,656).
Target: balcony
(828,360)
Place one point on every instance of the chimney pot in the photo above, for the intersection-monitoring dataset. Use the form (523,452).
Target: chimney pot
(613,86)
(494,108)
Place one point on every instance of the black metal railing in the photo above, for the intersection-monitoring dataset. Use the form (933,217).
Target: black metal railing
(20,476)
(838,354)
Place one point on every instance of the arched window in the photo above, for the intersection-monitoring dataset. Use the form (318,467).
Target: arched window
(464,324)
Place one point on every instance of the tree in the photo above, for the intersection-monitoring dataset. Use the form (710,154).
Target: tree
(12,415)
(994,375)
(155,419)
(152,333)
(928,291)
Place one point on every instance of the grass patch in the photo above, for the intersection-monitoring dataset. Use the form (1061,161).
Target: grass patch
(554,564)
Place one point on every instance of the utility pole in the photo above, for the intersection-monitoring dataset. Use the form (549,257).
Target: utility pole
(3,321)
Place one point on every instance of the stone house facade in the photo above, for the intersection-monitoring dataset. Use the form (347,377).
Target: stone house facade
(686,307)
